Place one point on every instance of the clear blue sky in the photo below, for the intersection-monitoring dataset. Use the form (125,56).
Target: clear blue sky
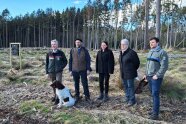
(17,7)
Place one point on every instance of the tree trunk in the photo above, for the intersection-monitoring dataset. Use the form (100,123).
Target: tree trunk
(136,44)
(167,43)
(84,28)
(175,38)
(63,42)
(146,23)
(171,35)
(39,35)
(6,34)
(158,6)
(35,35)
(73,35)
(67,36)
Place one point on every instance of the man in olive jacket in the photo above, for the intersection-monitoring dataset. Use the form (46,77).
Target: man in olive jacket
(129,64)
(157,65)
(55,63)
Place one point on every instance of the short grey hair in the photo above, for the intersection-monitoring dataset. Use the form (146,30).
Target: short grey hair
(124,41)
(54,41)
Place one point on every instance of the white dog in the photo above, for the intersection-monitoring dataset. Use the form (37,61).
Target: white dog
(63,94)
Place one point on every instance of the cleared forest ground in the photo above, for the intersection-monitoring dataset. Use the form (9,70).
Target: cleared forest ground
(25,95)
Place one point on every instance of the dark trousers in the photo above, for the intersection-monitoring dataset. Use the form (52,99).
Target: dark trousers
(84,80)
(104,82)
(155,86)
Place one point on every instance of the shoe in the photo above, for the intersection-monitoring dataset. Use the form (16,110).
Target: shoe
(106,98)
(77,98)
(125,101)
(87,99)
(130,104)
(56,101)
(150,113)
(100,97)
(153,117)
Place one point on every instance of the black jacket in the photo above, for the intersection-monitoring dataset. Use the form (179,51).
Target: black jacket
(55,62)
(129,63)
(105,61)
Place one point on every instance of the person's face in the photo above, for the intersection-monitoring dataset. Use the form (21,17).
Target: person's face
(153,44)
(103,46)
(78,43)
(124,46)
(54,45)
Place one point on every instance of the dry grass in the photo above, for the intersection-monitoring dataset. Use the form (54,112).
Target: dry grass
(31,83)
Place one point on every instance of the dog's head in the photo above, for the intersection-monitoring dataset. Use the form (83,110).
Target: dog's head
(141,85)
(144,82)
(57,84)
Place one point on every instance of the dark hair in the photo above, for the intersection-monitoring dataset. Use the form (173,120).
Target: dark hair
(57,84)
(78,39)
(155,38)
(105,42)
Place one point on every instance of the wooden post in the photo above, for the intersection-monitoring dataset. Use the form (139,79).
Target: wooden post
(15,53)
(10,56)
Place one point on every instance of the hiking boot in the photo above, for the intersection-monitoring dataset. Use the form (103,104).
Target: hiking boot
(87,98)
(77,98)
(150,113)
(106,98)
(100,96)
(56,101)
(153,116)
(125,101)
(130,104)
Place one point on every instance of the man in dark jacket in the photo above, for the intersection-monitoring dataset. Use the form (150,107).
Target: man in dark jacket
(129,63)
(55,63)
(105,67)
(79,66)
(157,65)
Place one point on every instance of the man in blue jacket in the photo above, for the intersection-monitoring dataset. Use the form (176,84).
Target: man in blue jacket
(55,63)
(157,65)
(79,66)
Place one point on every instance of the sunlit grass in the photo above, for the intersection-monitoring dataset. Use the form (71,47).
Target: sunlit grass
(74,117)
(33,106)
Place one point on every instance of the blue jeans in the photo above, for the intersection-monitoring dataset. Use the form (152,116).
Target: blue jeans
(76,77)
(128,86)
(154,86)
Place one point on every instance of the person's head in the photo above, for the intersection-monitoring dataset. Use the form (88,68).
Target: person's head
(104,45)
(124,44)
(54,44)
(78,43)
(154,42)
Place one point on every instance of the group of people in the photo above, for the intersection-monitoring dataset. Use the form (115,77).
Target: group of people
(80,61)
